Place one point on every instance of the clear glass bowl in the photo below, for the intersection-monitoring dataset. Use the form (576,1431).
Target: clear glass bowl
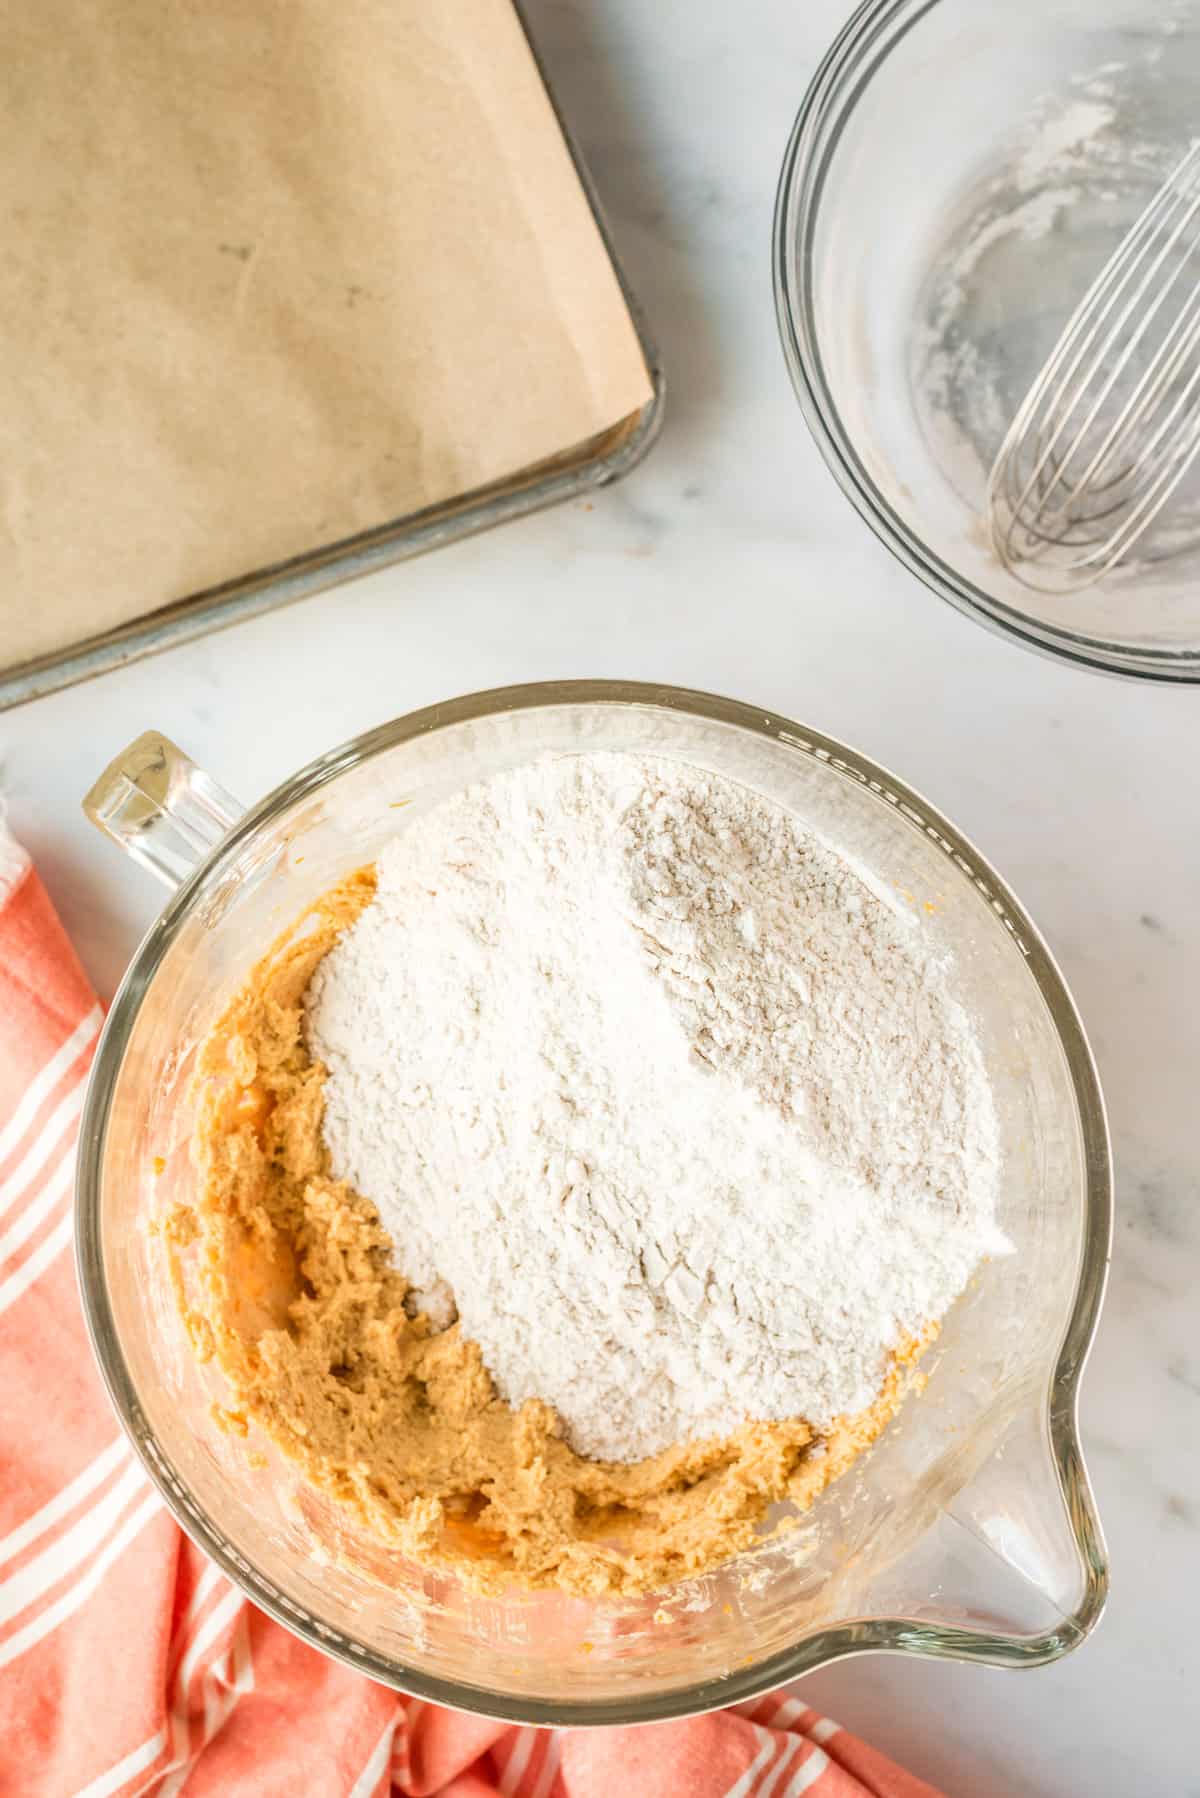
(968,1531)
(958,173)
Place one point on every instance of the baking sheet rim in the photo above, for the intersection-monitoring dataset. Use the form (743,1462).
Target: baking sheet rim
(330,564)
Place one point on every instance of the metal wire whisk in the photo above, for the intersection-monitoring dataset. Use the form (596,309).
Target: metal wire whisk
(1112,423)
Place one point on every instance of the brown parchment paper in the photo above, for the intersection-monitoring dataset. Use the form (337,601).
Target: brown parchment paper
(274,272)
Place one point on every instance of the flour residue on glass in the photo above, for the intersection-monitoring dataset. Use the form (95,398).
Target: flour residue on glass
(1025,245)
(655,1094)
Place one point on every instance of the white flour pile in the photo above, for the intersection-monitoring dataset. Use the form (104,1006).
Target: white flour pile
(649,1086)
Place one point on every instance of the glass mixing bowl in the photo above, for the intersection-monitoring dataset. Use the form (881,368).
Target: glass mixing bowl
(958,174)
(968,1531)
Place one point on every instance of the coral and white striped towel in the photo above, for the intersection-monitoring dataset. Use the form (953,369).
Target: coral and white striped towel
(128,1664)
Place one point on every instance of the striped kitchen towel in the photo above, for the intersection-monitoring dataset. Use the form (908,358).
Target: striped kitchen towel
(128,1663)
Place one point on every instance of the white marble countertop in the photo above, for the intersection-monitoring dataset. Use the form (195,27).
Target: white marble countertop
(730,561)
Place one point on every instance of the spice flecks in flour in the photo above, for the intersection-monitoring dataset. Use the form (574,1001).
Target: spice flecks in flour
(649,1086)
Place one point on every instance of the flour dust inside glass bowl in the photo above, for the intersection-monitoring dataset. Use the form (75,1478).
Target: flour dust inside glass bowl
(596,873)
(958,176)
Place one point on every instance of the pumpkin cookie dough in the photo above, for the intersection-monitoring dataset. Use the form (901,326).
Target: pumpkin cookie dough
(290,1289)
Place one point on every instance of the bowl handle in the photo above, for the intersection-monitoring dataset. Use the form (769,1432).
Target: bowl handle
(160,808)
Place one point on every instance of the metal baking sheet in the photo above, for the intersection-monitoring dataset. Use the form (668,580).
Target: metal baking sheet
(592,465)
